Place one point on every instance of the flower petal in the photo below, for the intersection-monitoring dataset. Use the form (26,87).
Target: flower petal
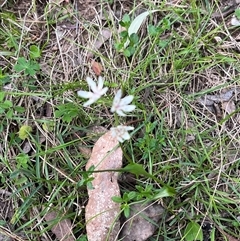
(128,108)
(125,136)
(89,102)
(120,112)
(121,132)
(117,97)
(100,82)
(126,100)
(113,131)
(104,91)
(91,84)
(129,128)
(113,109)
(84,94)
(120,139)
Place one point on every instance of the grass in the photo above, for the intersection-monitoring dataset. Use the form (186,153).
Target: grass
(188,147)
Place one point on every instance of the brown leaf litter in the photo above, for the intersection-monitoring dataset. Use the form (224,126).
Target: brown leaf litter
(102,37)
(96,67)
(101,212)
(225,99)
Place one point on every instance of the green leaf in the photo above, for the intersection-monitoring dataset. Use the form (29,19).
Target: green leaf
(126,52)
(8,103)
(22,61)
(2,95)
(118,46)
(24,132)
(131,195)
(126,18)
(22,64)
(153,30)
(4,78)
(125,22)
(131,50)
(67,112)
(19,109)
(193,232)
(126,210)
(35,52)
(136,24)
(22,160)
(136,169)
(32,69)
(29,67)
(9,114)
(124,34)
(2,110)
(164,192)
(237,13)
(117,199)
(134,38)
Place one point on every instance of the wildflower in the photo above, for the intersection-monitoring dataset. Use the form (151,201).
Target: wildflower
(122,105)
(121,132)
(97,91)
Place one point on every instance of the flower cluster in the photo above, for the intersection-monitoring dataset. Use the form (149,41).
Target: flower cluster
(120,105)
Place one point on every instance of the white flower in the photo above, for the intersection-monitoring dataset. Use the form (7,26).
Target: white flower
(122,105)
(97,91)
(121,132)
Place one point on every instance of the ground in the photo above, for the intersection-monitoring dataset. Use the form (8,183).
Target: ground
(181,66)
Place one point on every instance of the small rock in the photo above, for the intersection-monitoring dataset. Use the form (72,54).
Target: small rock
(137,227)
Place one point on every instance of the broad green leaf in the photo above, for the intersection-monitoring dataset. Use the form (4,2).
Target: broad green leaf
(237,13)
(2,95)
(193,232)
(19,109)
(126,52)
(126,18)
(2,110)
(134,38)
(136,169)
(24,132)
(9,114)
(164,192)
(22,61)
(117,199)
(22,64)
(126,210)
(34,52)
(136,24)
(132,195)
(153,30)
(8,103)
